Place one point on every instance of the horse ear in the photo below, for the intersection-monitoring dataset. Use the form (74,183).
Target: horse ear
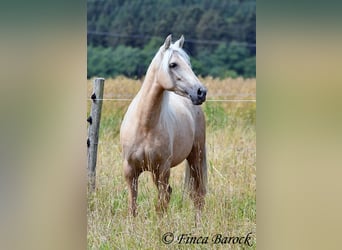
(180,42)
(167,42)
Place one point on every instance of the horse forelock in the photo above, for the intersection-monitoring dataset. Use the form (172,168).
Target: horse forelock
(168,53)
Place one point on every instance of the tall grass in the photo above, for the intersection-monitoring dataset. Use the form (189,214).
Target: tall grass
(230,207)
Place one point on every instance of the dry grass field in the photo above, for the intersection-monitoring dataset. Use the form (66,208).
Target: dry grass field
(230,208)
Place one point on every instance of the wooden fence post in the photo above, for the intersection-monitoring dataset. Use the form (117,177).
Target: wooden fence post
(93,130)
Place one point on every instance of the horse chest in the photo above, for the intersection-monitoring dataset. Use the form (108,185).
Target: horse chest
(170,140)
(147,155)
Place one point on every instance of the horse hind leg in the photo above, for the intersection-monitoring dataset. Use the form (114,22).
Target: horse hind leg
(196,176)
(161,180)
(131,176)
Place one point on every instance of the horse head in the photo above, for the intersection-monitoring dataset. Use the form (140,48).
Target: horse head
(174,72)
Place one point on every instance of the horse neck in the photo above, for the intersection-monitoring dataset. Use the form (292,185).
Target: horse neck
(151,100)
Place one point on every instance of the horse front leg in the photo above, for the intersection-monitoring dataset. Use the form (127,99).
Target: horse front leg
(161,180)
(131,176)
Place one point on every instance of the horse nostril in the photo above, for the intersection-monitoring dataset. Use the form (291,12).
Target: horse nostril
(201,92)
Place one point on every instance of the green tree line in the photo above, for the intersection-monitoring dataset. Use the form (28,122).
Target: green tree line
(123,36)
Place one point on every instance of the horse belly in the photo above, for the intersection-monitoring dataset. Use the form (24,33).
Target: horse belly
(182,142)
(183,127)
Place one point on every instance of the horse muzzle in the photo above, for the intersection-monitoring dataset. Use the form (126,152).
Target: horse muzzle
(198,95)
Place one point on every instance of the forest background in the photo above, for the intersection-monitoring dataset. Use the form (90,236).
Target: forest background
(123,36)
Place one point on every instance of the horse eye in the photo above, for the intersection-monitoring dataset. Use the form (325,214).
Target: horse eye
(173,65)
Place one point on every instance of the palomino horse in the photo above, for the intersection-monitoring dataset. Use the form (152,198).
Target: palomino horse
(165,125)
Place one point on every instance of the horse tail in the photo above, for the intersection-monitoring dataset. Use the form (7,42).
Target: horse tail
(187,185)
(187,181)
(204,168)
(204,172)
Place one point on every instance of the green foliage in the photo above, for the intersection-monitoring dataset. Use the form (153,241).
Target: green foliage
(109,62)
(249,67)
(216,116)
(110,125)
(123,36)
